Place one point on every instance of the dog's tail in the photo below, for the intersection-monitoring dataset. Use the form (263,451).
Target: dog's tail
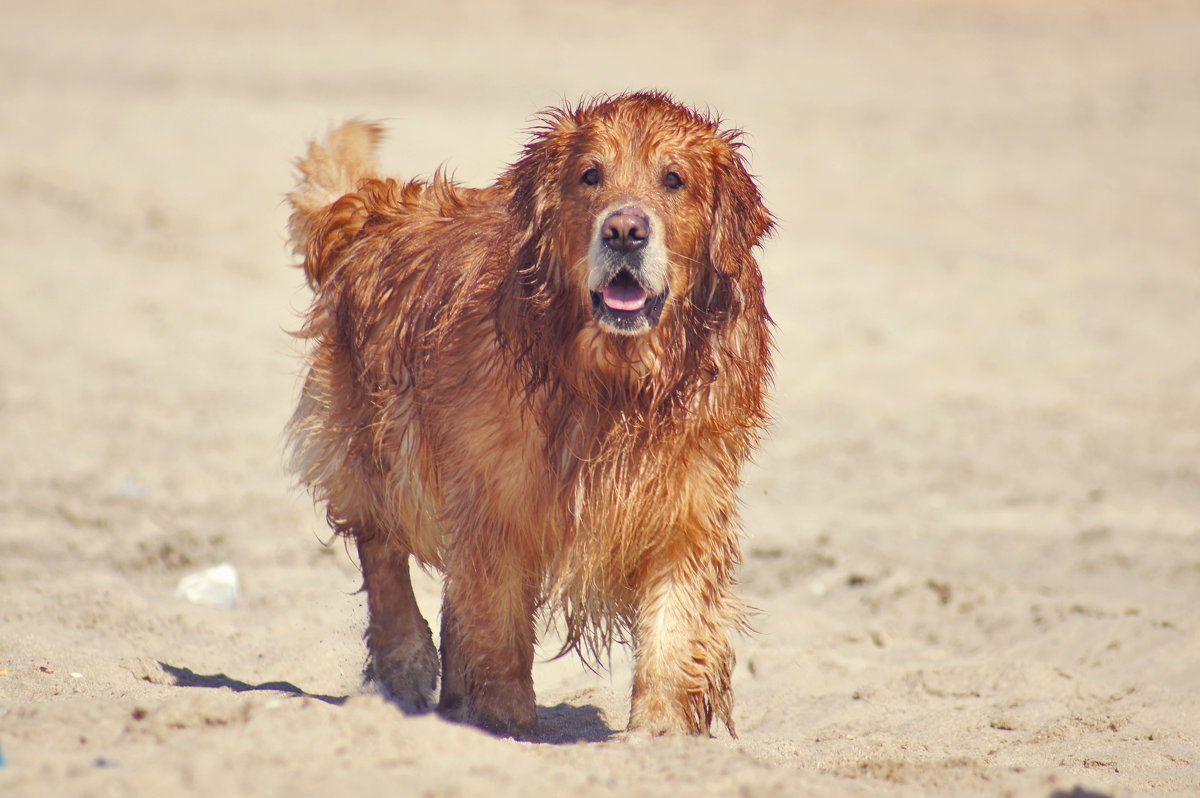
(328,172)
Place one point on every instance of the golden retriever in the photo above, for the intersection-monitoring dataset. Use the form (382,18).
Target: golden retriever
(545,389)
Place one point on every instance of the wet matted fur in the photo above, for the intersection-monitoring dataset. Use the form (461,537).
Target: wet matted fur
(546,389)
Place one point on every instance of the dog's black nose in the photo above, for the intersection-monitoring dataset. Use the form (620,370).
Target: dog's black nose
(626,230)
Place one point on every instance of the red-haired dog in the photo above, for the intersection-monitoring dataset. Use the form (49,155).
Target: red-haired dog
(546,389)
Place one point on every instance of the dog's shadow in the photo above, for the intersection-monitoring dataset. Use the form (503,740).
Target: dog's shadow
(186,677)
(567,723)
(559,724)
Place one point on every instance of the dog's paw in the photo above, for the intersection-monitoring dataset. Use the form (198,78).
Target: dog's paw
(504,710)
(408,675)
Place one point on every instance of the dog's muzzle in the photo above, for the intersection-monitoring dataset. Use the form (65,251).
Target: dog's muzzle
(628,273)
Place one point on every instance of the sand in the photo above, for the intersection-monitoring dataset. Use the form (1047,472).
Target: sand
(973,536)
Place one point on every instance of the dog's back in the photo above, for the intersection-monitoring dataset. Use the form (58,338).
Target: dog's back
(399,270)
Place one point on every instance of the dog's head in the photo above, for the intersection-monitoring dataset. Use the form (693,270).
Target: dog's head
(640,210)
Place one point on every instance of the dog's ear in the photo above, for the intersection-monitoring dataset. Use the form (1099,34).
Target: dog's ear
(533,181)
(532,189)
(532,284)
(740,220)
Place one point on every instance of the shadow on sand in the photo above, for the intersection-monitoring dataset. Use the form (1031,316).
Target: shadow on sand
(186,677)
(559,724)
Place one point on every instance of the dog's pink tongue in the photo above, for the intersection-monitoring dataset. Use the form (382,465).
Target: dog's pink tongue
(624,296)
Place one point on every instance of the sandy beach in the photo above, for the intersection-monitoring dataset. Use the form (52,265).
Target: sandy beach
(972,537)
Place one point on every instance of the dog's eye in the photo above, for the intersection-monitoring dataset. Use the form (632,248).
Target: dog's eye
(591,177)
(673,181)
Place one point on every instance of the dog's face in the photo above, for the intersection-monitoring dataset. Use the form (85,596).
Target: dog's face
(639,196)
(650,206)
(632,198)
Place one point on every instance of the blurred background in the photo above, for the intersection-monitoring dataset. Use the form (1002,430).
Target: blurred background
(976,520)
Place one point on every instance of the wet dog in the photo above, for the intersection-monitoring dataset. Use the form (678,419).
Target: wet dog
(546,389)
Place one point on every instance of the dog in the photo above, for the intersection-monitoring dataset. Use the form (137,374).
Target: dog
(545,389)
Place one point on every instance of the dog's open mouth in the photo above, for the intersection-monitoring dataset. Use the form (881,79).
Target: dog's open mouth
(624,306)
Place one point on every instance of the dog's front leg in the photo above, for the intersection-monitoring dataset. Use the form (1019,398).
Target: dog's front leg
(403,659)
(488,642)
(683,655)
